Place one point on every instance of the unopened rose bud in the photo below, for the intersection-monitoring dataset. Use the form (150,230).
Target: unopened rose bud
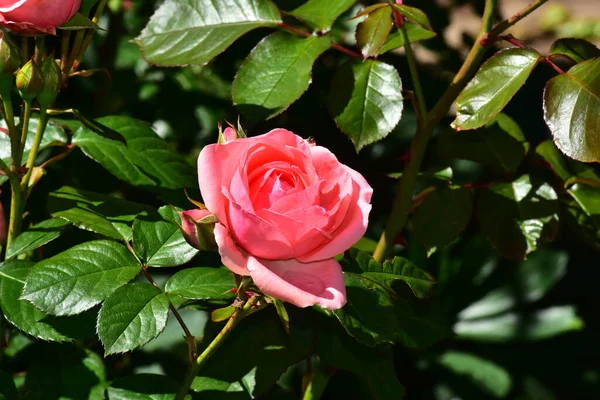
(9,63)
(29,81)
(198,229)
(51,77)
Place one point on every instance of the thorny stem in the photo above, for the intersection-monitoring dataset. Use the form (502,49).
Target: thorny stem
(240,313)
(333,45)
(507,23)
(403,200)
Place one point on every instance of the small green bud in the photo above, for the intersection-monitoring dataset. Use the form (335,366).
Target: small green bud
(9,63)
(29,81)
(51,77)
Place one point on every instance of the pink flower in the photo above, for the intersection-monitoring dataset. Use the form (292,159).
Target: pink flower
(285,207)
(36,16)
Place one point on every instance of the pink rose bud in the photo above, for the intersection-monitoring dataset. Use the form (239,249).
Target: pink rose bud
(36,16)
(198,228)
(285,207)
(228,135)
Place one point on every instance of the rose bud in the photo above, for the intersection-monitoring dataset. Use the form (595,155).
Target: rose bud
(9,63)
(29,81)
(198,229)
(51,76)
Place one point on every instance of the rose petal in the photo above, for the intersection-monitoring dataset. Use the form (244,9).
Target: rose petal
(300,284)
(231,255)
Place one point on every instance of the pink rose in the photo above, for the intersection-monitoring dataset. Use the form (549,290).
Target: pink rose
(285,208)
(36,16)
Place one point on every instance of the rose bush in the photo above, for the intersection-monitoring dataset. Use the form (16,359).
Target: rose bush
(36,16)
(285,208)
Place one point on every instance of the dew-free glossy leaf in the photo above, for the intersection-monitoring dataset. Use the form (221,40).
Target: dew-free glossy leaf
(106,215)
(37,236)
(373,32)
(276,73)
(496,82)
(143,387)
(414,15)
(577,50)
(501,144)
(79,278)
(415,33)
(144,160)
(489,376)
(507,327)
(582,213)
(444,214)
(550,153)
(194,31)
(572,110)
(366,100)
(516,217)
(132,316)
(202,283)
(532,279)
(158,241)
(320,14)
(22,313)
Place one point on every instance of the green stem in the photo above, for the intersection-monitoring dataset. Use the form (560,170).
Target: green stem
(507,23)
(412,66)
(15,144)
(403,200)
(25,128)
(77,43)
(89,33)
(40,48)
(39,133)
(239,314)
(24,50)
(16,215)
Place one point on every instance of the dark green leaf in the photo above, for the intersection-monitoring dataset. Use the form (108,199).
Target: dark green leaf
(276,73)
(132,316)
(583,213)
(516,217)
(78,22)
(320,14)
(550,153)
(159,242)
(414,15)
(202,283)
(80,277)
(496,82)
(577,50)
(145,160)
(533,278)
(21,313)
(106,215)
(572,110)
(444,214)
(366,100)
(500,144)
(143,387)
(415,32)
(54,135)
(513,326)
(194,31)
(8,390)
(490,377)
(373,32)
(37,236)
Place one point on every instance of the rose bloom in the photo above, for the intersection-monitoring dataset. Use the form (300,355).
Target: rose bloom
(285,208)
(36,16)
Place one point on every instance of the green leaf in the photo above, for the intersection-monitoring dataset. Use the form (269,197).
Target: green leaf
(577,50)
(195,31)
(145,160)
(507,327)
(501,144)
(79,278)
(366,100)
(78,22)
(8,390)
(132,316)
(550,153)
(415,32)
(106,215)
(496,82)
(583,213)
(372,33)
(532,279)
(159,242)
(490,377)
(202,283)
(37,236)
(516,217)
(321,14)
(572,110)
(143,387)
(21,313)
(266,85)
(414,15)
(54,135)
(444,214)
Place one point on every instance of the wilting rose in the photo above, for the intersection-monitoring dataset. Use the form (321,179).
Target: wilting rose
(285,208)
(36,16)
